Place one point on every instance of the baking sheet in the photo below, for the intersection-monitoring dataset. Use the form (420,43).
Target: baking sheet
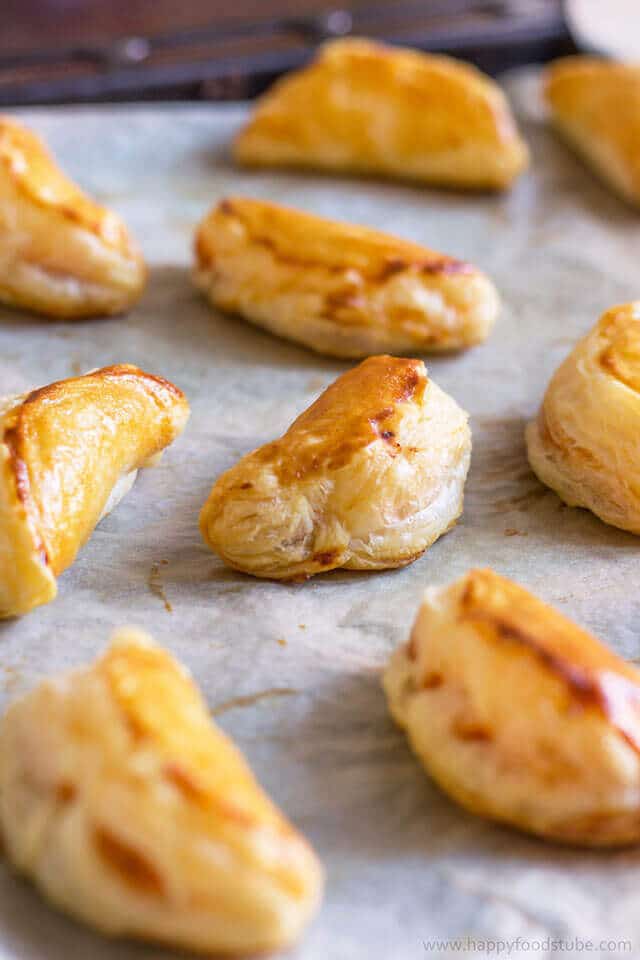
(404,865)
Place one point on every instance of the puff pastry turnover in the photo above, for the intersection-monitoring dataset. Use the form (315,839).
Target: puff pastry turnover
(584,442)
(131,811)
(340,289)
(60,253)
(367,108)
(519,714)
(367,478)
(68,453)
(595,105)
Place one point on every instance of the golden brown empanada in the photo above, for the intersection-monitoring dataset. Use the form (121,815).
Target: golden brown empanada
(595,105)
(367,478)
(131,811)
(68,453)
(519,714)
(60,253)
(367,108)
(340,289)
(584,443)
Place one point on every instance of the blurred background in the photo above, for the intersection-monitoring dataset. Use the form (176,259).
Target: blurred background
(57,51)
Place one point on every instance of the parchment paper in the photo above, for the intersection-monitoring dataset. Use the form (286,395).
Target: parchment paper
(404,865)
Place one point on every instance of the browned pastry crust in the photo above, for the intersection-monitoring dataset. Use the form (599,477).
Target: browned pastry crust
(61,254)
(367,478)
(519,714)
(595,105)
(340,289)
(367,108)
(584,442)
(67,452)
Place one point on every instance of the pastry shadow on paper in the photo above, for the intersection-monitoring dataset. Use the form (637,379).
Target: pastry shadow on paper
(214,571)
(503,490)
(354,767)
(29,320)
(586,189)
(391,187)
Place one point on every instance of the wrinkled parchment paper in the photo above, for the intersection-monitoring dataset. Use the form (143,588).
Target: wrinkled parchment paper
(404,865)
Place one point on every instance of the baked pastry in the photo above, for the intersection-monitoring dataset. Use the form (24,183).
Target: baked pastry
(367,478)
(367,108)
(342,290)
(595,105)
(584,441)
(61,254)
(68,453)
(519,714)
(133,812)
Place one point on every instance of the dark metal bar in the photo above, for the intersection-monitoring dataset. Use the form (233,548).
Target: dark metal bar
(505,31)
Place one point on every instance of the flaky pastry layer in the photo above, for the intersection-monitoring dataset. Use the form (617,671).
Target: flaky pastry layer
(367,478)
(584,441)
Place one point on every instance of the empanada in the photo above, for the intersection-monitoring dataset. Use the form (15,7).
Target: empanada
(595,105)
(60,253)
(367,108)
(519,714)
(368,477)
(340,289)
(131,811)
(68,453)
(584,442)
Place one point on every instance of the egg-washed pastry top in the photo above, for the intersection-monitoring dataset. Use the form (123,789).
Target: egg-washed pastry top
(519,714)
(367,108)
(339,288)
(366,478)
(68,451)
